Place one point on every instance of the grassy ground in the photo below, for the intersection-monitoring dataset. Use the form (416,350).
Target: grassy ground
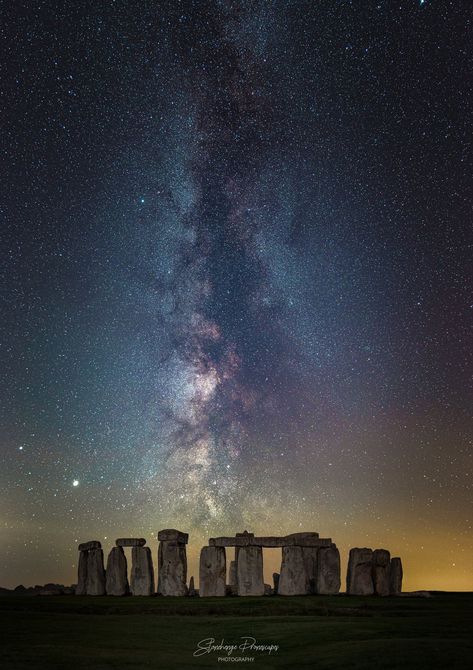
(312,632)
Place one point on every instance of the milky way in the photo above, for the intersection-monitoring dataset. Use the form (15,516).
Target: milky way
(235,278)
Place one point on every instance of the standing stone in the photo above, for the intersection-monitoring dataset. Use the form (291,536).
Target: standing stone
(359,573)
(172,563)
(293,580)
(192,591)
(395,576)
(381,560)
(309,555)
(142,571)
(232,574)
(95,573)
(212,572)
(93,544)
(250,571)
(328,570)
(275,582)
(116,581)
(81,588)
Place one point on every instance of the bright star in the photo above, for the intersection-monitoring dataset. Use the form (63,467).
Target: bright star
(75,482)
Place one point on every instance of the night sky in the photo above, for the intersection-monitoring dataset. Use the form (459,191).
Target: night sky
(235,277)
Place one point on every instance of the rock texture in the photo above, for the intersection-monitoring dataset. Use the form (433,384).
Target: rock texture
(381,560)
(395,576)
(142,572)
(172,567)
(359,573)
(95,573)
(250,571)
(212,572)
(328,570)
(293,579)
(81,588)
(130,542)
(116,580)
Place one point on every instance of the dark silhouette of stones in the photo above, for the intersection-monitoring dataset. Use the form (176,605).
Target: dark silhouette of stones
(232,574)
(116,580)
(293,579)
(93,544)
(268,590)
(212,572)
(192,591)
(250,571)
(95,573)
(173,535)
(172,564)
(142,571)
(81,588)
(395,576)
(275,581)
(360,572)
(381,560)
(130,542)
(328,570)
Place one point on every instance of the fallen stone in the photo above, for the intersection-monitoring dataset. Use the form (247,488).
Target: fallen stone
(142,572)
(212,572)
(93,544)
(328,570)
(130,542)
(172,535)
(381,560)
(172,568)
(95,573)
(395,576)
(360,572)
(81,588)
(116,580)
(250,571)
(293,579)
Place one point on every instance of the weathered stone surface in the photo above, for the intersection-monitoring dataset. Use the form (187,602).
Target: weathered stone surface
(212,572)
(142,572)
(93,544)
(81,588)
(232,574)
(328,570)
(381,560)
(250,571)
(360,572)
(395,576)
(275,581)
(192,592)
(130,542)
(95,573)
(293,579)
(116,580)
(172,568)
(173,535)
(309,555)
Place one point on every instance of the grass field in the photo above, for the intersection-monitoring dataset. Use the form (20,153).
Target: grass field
(312,632)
